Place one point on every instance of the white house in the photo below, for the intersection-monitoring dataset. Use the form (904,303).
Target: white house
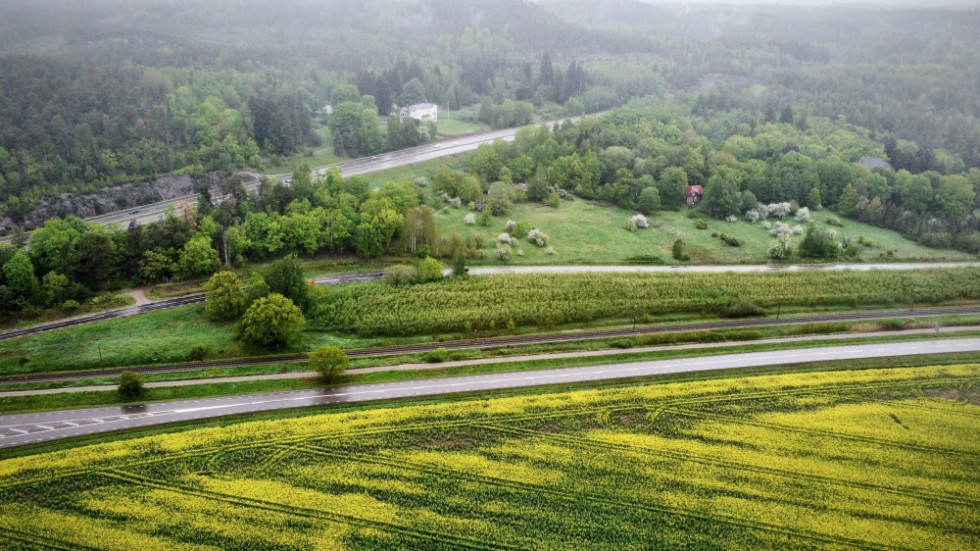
(323,112)
(422,112)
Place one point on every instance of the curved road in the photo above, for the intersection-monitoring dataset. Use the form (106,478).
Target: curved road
(355,167)
(18,430)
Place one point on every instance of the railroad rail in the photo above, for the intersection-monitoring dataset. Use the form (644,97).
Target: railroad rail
(502,342)
(163,305)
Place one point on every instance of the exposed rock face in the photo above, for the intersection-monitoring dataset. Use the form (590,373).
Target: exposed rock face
(113,198)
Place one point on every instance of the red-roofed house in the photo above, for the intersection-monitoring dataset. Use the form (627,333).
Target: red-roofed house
(694,194)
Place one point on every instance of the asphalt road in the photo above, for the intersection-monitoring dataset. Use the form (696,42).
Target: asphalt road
(365,165)
(17,430)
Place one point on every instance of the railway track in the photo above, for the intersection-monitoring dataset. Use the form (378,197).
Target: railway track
(164,305)
(503,342)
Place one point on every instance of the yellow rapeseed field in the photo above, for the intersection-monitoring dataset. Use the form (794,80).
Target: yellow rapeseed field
(870,459)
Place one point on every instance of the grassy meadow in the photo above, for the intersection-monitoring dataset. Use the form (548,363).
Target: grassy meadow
(582,232)
(882,459)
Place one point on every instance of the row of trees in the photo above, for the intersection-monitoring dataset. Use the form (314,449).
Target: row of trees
(67,260)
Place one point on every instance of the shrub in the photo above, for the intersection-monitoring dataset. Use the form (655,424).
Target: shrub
(803,215)
(485,219)
(502,253)
(701,224)
(504,238)
(509,226)
(731,219)
(538,237)
(834,221)
(400,274)
(640,221)
(767,224)
(470,219)
(779,229)
(936,240)
(197,354)
(677,251)
(731,241)
(969,242)
(630,225)
(436,356)
(430,270)
(456,203)
(70,305)
(779,249)
(549,251)
(130,385)
(797,230)
(779,210)
(553,200)
(743,310)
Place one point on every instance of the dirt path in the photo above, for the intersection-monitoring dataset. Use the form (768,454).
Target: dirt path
(139,296)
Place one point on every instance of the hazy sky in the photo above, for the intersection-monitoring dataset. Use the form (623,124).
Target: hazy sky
(923,3)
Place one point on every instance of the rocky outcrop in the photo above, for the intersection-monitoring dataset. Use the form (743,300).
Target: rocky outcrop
(120,197)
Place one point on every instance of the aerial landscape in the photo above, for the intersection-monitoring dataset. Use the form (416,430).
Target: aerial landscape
(489,274)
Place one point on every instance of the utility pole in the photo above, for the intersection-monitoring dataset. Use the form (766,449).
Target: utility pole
(99,346)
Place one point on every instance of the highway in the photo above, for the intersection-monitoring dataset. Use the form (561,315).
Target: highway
(32,428)
(355,167)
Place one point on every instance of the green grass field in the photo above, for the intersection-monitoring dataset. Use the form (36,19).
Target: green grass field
(582,232)
(310,156)
(883,459)
(452,123)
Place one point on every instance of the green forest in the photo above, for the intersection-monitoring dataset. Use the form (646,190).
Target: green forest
(100,93)
(775,112)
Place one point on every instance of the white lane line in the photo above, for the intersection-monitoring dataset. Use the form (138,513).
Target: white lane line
(21,431)
(44,427)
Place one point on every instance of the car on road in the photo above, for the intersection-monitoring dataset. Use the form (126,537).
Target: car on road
(437,146)
(134,211)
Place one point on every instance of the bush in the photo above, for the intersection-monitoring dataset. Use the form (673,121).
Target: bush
(744,310)
(677,251)
(701,224)
(470,219)
(803,215)
(504,238)
(329,361)
(968,242)
(549,251)
(197,354)
(430,270)
(935,240)
(436,356)
(640,221)
(779,249)
(70,305)
(834,221)
(538,237)
(731,241)
(509,226)
(130,385)
(400,274)
(502,253)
